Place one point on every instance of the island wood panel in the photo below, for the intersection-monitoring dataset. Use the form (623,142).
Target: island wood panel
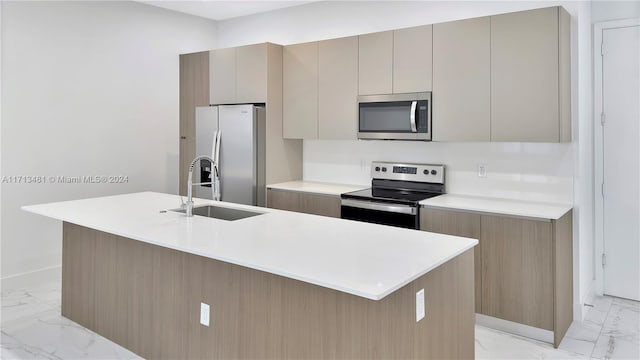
(563,272)
(327,205)
(78,274)
(517,277)
(194,91)
(255,314)
(459,224)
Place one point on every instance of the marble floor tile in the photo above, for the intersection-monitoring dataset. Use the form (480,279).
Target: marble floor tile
(611,347)
(20,303)
(51,336)
(598,313)
(49,292)
(494,344)
(620,335)
(581,338)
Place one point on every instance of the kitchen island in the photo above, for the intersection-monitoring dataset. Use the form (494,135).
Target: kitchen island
(279,284)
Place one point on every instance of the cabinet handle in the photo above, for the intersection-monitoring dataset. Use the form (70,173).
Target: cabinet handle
(183,138)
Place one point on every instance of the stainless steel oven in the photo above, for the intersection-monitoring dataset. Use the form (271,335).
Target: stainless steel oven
(394,214)
(395,117)
(395,194)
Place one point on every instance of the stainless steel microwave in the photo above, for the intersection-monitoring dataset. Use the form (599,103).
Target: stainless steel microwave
(395,117)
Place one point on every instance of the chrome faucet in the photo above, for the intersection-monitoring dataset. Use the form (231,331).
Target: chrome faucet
(214,170)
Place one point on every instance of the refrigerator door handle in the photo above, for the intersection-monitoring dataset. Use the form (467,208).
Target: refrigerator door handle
(215,171)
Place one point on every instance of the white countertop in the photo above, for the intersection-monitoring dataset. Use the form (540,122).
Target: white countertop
(358,258)
(529,209)
(317,187)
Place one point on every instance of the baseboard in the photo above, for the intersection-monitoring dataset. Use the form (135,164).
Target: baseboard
(515,328)
(31,278)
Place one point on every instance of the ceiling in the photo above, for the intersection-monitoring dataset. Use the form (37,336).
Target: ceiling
(220,10)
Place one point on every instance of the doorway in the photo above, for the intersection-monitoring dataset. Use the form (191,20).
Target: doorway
(617,157)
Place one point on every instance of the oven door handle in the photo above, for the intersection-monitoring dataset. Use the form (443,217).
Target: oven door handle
(393,208)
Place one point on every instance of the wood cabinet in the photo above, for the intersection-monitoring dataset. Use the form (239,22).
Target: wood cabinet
(317,204)
(251,73)
(246,74)
(238,75)
(461,80)
(458,224)
(523,267)
(338,88)
(517,274)
(222,72)
(375,63)
(398,61)
(412,59)
(530,90)
(300,91)
(194,91)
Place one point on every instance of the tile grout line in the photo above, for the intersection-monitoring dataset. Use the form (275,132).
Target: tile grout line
(601,327)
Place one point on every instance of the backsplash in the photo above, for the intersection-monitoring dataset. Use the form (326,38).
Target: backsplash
(525,171)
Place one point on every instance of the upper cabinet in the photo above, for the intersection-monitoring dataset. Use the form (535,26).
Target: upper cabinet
(251,73)
(530,90)
(338,88)
(499,78)
(412,59)
(375,63)
(222,76)
(238,75)
(320,89)
(300,91)
(461,80)
(395,62)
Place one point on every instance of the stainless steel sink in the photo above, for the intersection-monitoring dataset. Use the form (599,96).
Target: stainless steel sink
(219,212)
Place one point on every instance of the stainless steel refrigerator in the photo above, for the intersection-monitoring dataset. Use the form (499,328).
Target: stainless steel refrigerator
(239,150)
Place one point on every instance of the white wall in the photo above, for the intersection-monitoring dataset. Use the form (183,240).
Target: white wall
(547,172)
(331,19)
(614,10)
(88,88)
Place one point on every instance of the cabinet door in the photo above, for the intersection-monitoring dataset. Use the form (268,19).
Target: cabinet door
(222,76)
(375,63)
(461,80)
(338,88)
(325,205)
(517,270)
(194,91)
(524,76)
(251,74)
(412,59)
(458,224)
(300,91)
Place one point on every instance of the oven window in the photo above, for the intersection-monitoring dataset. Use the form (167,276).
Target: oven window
(380,217)
(385,117)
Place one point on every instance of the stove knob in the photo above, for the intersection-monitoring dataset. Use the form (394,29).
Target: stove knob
(377,168)
(426,172)
(384,169)
(433,172)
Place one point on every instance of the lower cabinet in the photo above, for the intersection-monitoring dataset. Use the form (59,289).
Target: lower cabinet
(317,204)
(523,267)
(458,224)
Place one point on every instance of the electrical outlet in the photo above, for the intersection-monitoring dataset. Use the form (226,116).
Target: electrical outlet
(204,314)
(482,170)
(420,305)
